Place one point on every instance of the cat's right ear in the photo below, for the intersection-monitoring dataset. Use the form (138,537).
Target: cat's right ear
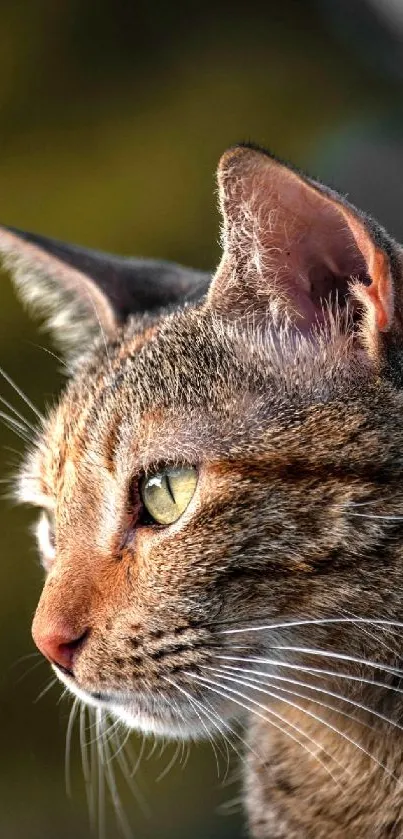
(294,249)
(81,291)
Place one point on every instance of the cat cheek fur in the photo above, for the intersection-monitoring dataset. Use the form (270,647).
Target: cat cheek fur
(281,381)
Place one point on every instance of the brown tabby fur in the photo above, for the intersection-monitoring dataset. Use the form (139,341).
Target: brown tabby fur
(292,414)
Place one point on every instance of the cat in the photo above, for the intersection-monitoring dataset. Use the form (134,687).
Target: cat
(221,495)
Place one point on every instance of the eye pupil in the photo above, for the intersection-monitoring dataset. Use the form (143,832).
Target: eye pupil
(169,488)
(166,494)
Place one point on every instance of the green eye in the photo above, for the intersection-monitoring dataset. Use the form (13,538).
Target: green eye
(166,494)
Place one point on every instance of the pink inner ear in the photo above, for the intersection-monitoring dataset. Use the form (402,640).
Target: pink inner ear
(318,254)
(292,246)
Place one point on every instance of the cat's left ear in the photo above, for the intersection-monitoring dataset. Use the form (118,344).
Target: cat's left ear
(292,246)
(82,291)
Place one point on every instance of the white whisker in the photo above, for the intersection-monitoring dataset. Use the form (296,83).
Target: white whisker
(15,426)
(187,755)
(375,516)
(87,769)
(24,658)
(339,657)
(119,810)
(21,394)
(320,671)
(46,690)
(30,669)
(50,352)
(129,773)
(63,695)
(311,622)
(152,750)
(102,332)
(135,761)
(106,773)
(113,736)
(170,764)
(21,417)
(101,774)
(345,505)
(69,731)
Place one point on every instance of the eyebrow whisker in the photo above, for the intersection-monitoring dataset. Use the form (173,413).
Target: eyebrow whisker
(21,394)
(17,414)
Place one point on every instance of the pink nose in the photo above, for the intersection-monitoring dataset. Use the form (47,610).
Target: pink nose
(59,648)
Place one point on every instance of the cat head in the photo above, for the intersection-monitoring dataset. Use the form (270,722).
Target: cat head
(205,479)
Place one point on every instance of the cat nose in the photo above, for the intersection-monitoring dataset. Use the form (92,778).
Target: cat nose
(59,647)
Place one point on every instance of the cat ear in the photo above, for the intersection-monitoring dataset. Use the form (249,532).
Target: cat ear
(293,246)
(85,291)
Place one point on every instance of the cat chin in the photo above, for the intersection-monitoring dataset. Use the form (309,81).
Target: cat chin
(157,724)
(144,713)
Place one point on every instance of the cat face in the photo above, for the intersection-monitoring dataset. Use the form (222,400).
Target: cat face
(200,478)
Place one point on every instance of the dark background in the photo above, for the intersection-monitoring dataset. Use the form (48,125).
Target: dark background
(112,119)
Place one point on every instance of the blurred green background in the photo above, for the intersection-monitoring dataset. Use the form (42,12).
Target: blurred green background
(112,119)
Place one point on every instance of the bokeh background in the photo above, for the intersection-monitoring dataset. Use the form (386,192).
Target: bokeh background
(112,119)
